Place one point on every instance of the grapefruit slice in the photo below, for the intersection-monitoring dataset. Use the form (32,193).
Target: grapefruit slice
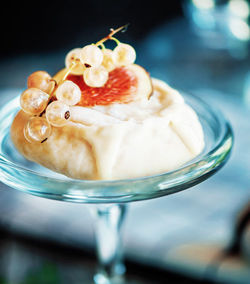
(125,84)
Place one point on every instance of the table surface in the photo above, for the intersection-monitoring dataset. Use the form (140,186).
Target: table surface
(182,233)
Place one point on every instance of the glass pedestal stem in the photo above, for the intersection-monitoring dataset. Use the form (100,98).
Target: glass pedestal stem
(109,219)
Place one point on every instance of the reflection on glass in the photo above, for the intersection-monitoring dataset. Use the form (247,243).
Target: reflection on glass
(223,24)
(246,90)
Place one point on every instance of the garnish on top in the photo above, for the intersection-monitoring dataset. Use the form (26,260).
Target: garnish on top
(94,75)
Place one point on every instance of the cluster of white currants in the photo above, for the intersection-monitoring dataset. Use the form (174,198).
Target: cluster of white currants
(95,63)
(48,102)
(44,109)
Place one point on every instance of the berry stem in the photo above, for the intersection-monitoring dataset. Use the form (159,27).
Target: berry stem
(110,35)
(102,46)
(53,80)
(74,63)
(68,71)
(116,40)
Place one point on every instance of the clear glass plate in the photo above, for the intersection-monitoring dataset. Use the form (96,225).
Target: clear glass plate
(29,177)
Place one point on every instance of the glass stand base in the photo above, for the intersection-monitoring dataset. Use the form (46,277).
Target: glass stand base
(108,222)
(102,278)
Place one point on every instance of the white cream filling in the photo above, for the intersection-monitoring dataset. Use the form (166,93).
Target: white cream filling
(163,97)
(120,134)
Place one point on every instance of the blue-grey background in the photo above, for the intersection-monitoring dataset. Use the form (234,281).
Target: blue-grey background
(186,232)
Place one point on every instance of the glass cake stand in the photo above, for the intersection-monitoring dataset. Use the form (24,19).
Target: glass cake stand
(111,197)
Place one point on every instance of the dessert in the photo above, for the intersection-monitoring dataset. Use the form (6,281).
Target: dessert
(104,117)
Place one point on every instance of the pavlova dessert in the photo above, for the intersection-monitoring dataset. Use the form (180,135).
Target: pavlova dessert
(103,117)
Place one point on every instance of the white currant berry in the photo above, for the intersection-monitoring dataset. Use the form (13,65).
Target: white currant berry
(57,113)
(37,129)
(73,57)
(68,93)
(91,56)
(33,101)
(95,76)
(108,61)
(124,54)
(41,80)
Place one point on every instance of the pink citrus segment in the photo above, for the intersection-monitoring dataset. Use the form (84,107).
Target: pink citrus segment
(121,87)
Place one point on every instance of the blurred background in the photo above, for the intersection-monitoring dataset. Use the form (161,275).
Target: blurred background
(201,235)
